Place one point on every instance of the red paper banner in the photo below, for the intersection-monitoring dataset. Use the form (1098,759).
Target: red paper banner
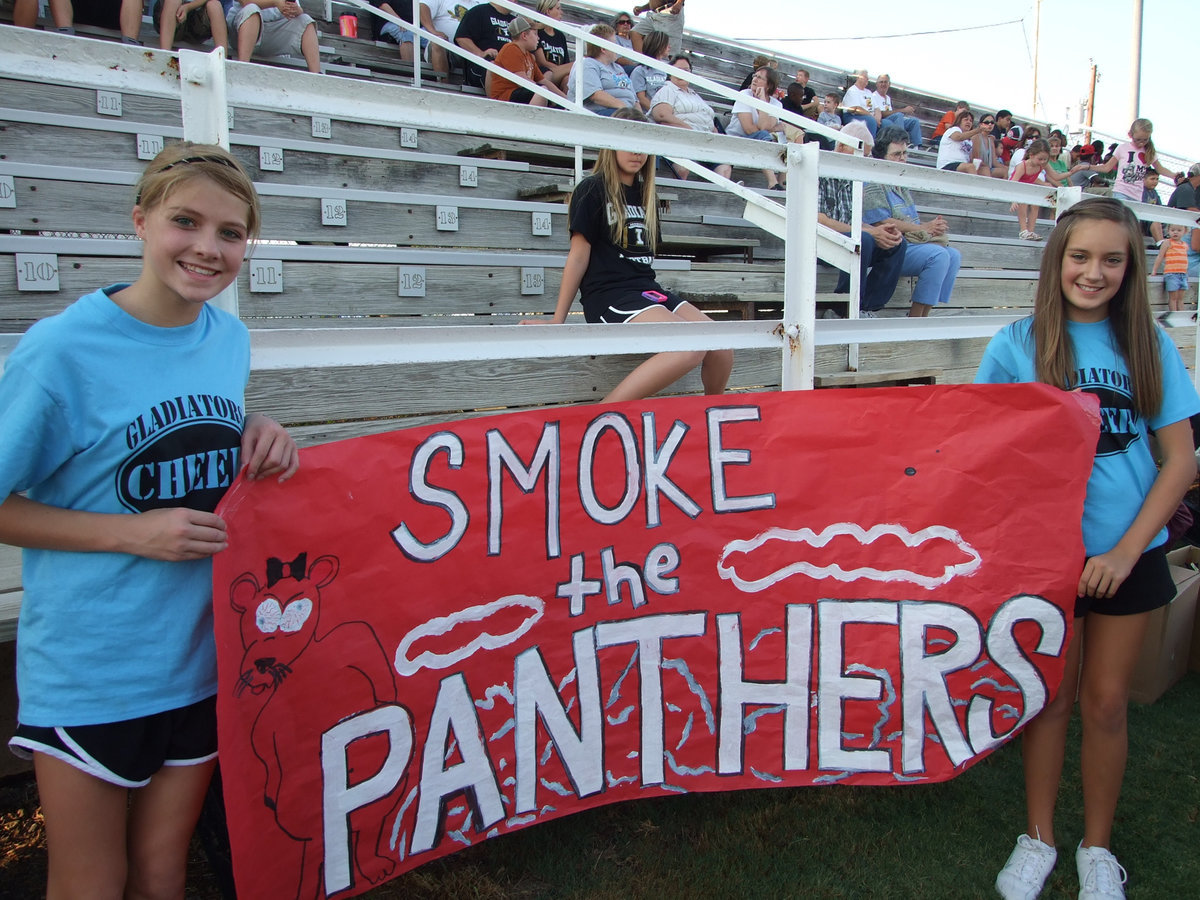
(435,636)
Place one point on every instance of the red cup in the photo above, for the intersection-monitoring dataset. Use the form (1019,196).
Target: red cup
(349,25)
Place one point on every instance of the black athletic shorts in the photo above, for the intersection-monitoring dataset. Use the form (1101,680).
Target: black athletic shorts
(619,311)
(1148,587)
(127,753)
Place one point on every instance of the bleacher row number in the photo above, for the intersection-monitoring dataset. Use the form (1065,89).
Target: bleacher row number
(270,159)
(533,280)
(229,117)
(108,103)
(37,271)
(411,281)
(408,138)
(447,218)
(266,276)
(322,127)
(8,192)
(468,176)
(333,212)
(149,145)
(542,224)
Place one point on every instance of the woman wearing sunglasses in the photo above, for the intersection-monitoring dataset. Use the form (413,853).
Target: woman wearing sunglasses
(985,151)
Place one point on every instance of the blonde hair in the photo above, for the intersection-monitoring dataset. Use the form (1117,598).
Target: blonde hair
(1128,312)
(1147,126)
(179,163)
(605,33)
(614,191)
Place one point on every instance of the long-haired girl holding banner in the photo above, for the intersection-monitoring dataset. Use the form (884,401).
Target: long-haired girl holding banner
(123,426)
(1092,330)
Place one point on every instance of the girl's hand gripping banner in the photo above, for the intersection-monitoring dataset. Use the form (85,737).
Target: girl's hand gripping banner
(439,635)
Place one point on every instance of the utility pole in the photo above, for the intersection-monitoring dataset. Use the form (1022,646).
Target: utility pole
(1091,106)
(1135,61)
(1037,46)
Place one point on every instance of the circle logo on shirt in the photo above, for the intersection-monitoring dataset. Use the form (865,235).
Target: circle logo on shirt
(191,465)
(1118,419)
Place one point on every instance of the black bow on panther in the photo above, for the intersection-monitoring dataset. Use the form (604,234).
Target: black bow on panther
(278,569)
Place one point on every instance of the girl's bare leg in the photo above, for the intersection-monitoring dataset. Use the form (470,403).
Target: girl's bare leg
(85,831)
(1044,743)
(1112,644)
(162,818)
(664,369)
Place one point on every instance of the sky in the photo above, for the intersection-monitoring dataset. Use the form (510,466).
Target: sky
(985,52)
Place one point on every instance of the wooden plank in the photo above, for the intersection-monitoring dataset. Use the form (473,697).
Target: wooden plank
(309,396)
(877,378)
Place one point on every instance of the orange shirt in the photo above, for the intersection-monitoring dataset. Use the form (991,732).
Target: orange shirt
(946,121)
(516,60)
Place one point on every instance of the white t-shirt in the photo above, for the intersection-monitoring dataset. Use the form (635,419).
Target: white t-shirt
(740,106)
(689,107)
(952,151)
(856,96)
(882,102)
(446,14)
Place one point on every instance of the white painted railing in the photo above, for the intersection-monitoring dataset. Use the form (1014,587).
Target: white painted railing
(206,85)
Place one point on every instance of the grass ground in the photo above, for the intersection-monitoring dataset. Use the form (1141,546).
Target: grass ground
(925,841)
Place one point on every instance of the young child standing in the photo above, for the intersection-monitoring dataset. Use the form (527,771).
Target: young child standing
(1173,262)
(1132,160)
(1092,330)
(123,421)
(614,229)
(1032,168)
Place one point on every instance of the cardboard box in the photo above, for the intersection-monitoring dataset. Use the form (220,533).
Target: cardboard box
(1169,636)
(1189,557)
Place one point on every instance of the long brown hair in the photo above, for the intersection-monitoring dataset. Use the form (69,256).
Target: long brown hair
(1128,312)
(614,190)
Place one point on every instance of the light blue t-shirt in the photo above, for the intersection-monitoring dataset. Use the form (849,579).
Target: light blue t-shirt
(597,76)
(1124,468)
(101,412)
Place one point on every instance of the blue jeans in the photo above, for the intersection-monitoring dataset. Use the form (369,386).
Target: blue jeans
(876,286)
(869,121)
(911,124)
(936,267)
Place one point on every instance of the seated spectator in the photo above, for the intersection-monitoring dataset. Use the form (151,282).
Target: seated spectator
(124,16)
(1010,142)
(517,57)
(858,103)
(1029,134)
(947,120)
(1057,142)
(677,104)
(887,114)
(606,86)
(444,16)
(954,152)
(985,155)
(830,118)
(552,54)
(622,28)
(806,103)
(646,81)
(390,32)
(762,61)
(881,254)
(1150,195)
(1031,169)
(748,122)
(482,32)
(793,102)
(193,22)
(1003,123)
(928,254)
(274,28)
(659,15)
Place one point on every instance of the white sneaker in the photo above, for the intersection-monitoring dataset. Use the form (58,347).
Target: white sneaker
(867,314)
(1027,869)
(1100,875)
